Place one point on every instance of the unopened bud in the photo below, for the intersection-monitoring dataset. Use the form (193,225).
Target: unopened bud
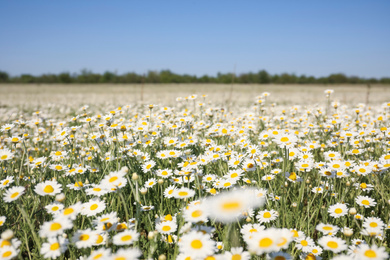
(160,181)
(150,235)
(60,197)
(348,183)
(352,211)
(162,257)
(294,205)
(248,219)
(308,181)
(348,232)
(143,191)
(135,176)
(7,235)
(125,169)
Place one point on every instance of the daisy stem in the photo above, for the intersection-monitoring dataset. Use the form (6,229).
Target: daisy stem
(124,206)
(37,241)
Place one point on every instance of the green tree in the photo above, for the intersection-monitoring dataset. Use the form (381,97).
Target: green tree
(4,77)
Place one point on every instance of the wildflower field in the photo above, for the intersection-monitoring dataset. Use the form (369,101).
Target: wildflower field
(196,180)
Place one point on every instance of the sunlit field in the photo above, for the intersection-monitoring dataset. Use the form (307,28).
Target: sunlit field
(166,94)
(194,172)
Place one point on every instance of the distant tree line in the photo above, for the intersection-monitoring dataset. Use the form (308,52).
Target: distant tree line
(166,76)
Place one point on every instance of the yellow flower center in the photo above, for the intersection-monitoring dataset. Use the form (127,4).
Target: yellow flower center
(304,243)
(332,244)
(196,244)
(166,228)
(373,224)
(84,237)
(48,189)
(99,240)
(14,195)
(236,257)
(196,213)
(265,242)
(55,226)
(231,206)
(370,253)
(126,238)
(7,254)
(183,193)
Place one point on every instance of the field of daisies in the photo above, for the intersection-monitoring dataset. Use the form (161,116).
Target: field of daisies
(196,181)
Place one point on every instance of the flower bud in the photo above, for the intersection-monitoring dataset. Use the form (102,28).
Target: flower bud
(125,169)
(60,197)
(7,235)
(143,191)
(248,219)
(160,181)
(352,211)
(347,232)
(135,176)
(150,235)
(348,184)
(162,257)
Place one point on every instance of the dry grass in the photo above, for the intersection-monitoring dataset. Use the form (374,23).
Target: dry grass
(38,95)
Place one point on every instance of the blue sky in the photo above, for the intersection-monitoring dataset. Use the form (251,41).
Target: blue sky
(196,37)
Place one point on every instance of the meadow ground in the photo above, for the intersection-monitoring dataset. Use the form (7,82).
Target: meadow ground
(38,95)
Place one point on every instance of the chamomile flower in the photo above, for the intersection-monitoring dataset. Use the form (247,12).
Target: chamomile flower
(266,216)
(183,193)
(126,237)
(228,206)
(13,193)
(48,188)
(236,253)
(374,223)
(2,220)
(126,254)
(55,227)
(101,253)
(6,182)
(148,165)
(196,244)
(55,247)
(164,173)
(264,242)
(72,211)
(365,252)
(365,201)
(84,238)
(338,210)
(93,207)
(54,208)
(304,243)
(334,244)
(8,252)
(196,213)
(166,227)
(6,154)
(327,228)
(170,191)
